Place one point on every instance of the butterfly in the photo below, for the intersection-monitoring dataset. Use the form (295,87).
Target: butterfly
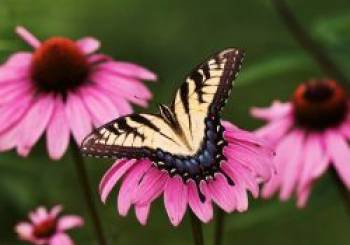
(185,137)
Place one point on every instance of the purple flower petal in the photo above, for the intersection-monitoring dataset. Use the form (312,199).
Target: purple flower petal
(151,186)
(175,199)
(101,108)
(111,177)
(221,193)
(276,111)
(203,210)
(58,132)
(127,190)
(36,118)
(142,213)
(78,117)
(128,70)
(339,151)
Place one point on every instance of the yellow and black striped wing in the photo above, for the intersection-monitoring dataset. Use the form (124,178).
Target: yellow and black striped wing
(204,93)
(134,136)
(178,130)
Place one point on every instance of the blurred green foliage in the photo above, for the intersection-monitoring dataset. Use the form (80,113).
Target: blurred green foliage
(170,37)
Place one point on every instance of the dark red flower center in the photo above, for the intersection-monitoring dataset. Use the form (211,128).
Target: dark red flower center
(319,104)
(45,229)
(59,65)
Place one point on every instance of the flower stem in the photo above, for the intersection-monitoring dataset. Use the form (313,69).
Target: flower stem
(343,191)
(315,50)
(219,227)
(197,231)
(88,194)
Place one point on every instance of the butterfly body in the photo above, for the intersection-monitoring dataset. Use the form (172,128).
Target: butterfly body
(185,138)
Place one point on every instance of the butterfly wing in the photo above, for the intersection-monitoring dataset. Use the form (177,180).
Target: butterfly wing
(201,96)
(204,93)
(133,136)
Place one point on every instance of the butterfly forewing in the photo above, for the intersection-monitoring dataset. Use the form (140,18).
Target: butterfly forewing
(204,93)
(200,97)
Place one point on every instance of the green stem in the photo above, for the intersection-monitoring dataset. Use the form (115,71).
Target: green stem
(315,50)
(219,227)
(88,194)
(197,231)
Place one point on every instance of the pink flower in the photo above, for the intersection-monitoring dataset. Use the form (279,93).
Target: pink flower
(311,135)
(247,162)
(46,227)
(62,87)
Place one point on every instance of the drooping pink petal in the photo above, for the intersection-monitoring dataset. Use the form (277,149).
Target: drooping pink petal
(61,239)
(12,113)
(15,91)
(287,154)
(315,161)
(289,162)
(271,186)
(175,199)
(13,74)
(19,62)
(112,176)
(277,110)
(241,198)
(123,106)
(68,222)
(34,123)
(128,88)
(88,45)
(275,130)
(202,209)
(24,230)
(78,117)
(303,197)
(339,151)
(221,193)
(247,157)
(151,186)
(240,174)
(9,137)
(28,37)
(58,133)
(142,213)
(127,188)
(129,70)
(233,135)
(101,108)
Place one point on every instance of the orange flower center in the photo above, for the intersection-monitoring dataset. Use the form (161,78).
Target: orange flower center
(320,104)
(59,65)
(45,229)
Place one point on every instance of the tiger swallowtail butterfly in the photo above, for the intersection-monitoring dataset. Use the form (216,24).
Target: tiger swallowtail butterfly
(184,138)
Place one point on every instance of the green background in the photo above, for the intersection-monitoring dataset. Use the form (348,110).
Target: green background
(170,37)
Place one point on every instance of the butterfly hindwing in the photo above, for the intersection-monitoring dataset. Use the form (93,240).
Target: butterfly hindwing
(178,129)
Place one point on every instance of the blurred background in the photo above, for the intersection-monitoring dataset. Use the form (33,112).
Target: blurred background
(170,37)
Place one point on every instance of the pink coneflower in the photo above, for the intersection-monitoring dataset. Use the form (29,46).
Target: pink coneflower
(47,227)
(61,88)
(244,162)
(310,134)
